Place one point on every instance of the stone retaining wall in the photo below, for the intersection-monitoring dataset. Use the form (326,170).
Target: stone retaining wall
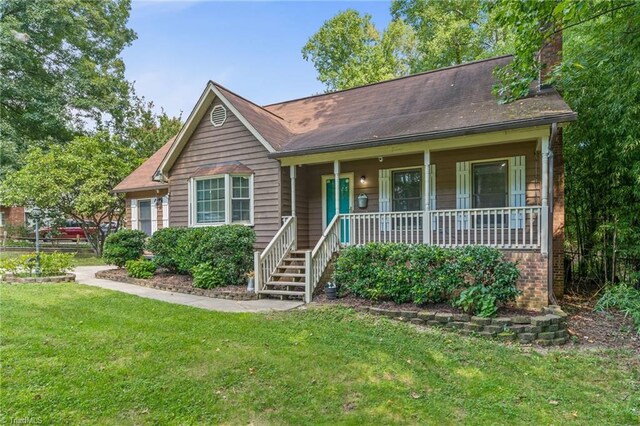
(549,328)
(10,278)
(241,294)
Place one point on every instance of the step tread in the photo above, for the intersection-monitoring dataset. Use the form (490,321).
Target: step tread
(283,292)
(293,259)
(288,274)
(286,284)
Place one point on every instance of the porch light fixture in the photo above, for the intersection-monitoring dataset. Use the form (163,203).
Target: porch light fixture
(363,179)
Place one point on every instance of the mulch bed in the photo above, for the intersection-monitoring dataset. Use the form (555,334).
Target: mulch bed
(598,329)
(353,301)
(163,280)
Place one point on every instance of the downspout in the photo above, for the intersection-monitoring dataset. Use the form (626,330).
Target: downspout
(551,294)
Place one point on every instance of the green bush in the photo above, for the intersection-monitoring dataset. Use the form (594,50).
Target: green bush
(163,244)
(207,276)
(476,279)
(227,248)
(122,246)
(140,268)
(51,264)
(623,297)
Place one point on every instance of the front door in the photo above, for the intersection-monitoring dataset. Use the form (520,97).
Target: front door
(345,204)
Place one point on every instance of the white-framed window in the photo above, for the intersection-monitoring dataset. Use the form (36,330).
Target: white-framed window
(221,199)
(1,219)
(144,216)
(406,190)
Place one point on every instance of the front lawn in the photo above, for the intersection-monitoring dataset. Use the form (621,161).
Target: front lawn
(76,354)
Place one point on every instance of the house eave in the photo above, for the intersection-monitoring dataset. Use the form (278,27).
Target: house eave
(463,131)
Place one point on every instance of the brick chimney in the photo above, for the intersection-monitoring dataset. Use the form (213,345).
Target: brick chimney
(550,55)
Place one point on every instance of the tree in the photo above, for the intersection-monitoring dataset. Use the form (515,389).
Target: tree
(349,51)
(60,70)
(146,131)
(600,79)
(75,181)
(450,32)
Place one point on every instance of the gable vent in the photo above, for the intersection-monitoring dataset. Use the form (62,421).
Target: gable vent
(218,115)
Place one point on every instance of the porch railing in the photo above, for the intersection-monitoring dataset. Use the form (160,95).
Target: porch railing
(265,263)
(328,244)
(510,227)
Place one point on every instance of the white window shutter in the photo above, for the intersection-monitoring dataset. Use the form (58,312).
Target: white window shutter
(463,192)
(165,211)
(517,188)
(134,214)
(384,196)
(154,215)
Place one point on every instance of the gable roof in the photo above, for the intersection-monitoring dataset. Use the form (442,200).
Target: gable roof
(141,179)
(452,101)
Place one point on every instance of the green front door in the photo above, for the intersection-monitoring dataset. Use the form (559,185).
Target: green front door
(345,204)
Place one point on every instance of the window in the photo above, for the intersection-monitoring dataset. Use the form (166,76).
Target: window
(1,219)
(222,199)
(407,190)
(144,216)
(490,188)
(240,199)
(210,200)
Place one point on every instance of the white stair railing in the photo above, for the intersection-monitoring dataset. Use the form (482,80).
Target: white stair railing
(283,242)
(321,256)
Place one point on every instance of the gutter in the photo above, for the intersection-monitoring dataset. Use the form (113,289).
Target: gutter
(442,134)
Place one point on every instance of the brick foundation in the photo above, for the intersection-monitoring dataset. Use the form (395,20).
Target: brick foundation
(533,278)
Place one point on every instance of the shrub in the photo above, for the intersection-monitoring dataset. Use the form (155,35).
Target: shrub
(122,246)
(623,297)
(163,244)
(207,276)
(51,264)
(140,268)
(228,247)
(476,279)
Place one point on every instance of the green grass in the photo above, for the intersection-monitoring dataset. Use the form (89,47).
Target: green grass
(76,354)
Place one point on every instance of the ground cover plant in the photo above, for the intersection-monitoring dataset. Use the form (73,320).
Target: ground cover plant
(75,354)
(474,278)
(623,297)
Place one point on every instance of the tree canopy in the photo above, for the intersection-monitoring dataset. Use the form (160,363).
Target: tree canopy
(75,181)
(61,68)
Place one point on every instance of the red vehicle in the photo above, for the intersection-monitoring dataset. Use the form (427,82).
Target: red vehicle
(70,229)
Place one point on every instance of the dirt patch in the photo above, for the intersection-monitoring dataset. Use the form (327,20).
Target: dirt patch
(598,329)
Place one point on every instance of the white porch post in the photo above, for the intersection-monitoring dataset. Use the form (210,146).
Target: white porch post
(336,182)
(292,175)
(544,232)
(426,218)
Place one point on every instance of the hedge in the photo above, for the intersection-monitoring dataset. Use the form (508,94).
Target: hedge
(227,250)
(477,279)
(122,246)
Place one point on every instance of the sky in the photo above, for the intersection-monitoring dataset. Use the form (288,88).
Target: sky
(252,48)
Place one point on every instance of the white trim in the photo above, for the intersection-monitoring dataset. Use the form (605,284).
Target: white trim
(134,214)
(154,215)
(206,99)
(1,218)
(213,110)
(165,211)
(228,197)
(292,176)
(323,180)
(544,158)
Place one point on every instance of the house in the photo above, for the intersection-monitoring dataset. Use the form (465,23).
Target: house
(430,158)
(12,216)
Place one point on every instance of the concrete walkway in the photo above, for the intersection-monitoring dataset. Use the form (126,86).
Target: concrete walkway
(86,275)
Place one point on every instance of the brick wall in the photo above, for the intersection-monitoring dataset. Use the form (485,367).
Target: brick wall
(13,215)
(558,216)
(550,56)
(533,278)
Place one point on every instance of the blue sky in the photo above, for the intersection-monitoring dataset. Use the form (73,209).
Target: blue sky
(252,48)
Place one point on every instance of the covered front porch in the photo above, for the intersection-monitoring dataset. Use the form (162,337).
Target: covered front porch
(469,191)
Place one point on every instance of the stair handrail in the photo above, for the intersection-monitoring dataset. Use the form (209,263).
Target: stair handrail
(266,263)
(321,255)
